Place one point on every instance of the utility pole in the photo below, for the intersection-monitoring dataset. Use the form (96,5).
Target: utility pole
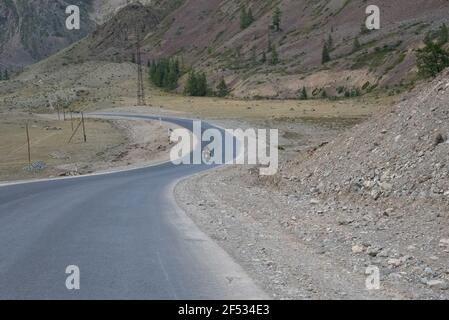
(140,84)
(29,146)
(84,128)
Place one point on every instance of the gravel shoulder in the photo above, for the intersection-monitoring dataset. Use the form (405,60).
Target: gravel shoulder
(257,227)
(299,247)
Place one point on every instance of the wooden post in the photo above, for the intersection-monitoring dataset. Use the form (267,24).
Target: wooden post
(63,113)
(28,143)
(71,119)
(74,132)
(160,118)
(84,127)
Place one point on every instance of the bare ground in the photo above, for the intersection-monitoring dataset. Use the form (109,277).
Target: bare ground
(111,144)
(250,223)
(298,247)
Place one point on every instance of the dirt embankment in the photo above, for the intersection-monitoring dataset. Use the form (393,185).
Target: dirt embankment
(376,195)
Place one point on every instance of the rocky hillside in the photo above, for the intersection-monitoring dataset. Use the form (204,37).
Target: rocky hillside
(115,40)
(207,34)
(401,155)
(33,30)
(103,10)
(379,194)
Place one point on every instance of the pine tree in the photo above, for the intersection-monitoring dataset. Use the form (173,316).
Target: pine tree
(250,17)
(133,58)
(191,85)
(1,75)
(246,17)
(172,80)
(274,56)
(196,84)
(202,85)
(159,76)
(165,73)
(325,55)
(222,88)
(153,72)
(243,17)
(303,94)
(277,19)
(177,68)
(6,76)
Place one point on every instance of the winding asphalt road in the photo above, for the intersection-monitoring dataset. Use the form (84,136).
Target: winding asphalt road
(124,232)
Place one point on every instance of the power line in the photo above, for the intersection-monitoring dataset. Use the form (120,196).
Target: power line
(140,85)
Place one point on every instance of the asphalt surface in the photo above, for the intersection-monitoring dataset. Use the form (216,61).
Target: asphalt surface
(124,232)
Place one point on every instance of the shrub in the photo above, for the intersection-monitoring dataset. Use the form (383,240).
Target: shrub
(303,94)
(432,59)
(222,88)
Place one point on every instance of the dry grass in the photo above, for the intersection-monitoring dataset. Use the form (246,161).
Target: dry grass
(106,85)
(210,107)
(49,143)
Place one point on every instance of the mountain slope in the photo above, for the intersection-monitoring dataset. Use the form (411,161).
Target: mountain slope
(36,29)
(103,10)
(115,40)
(207,34)
(92,72)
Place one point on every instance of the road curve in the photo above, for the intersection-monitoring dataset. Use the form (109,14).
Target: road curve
(124,232)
